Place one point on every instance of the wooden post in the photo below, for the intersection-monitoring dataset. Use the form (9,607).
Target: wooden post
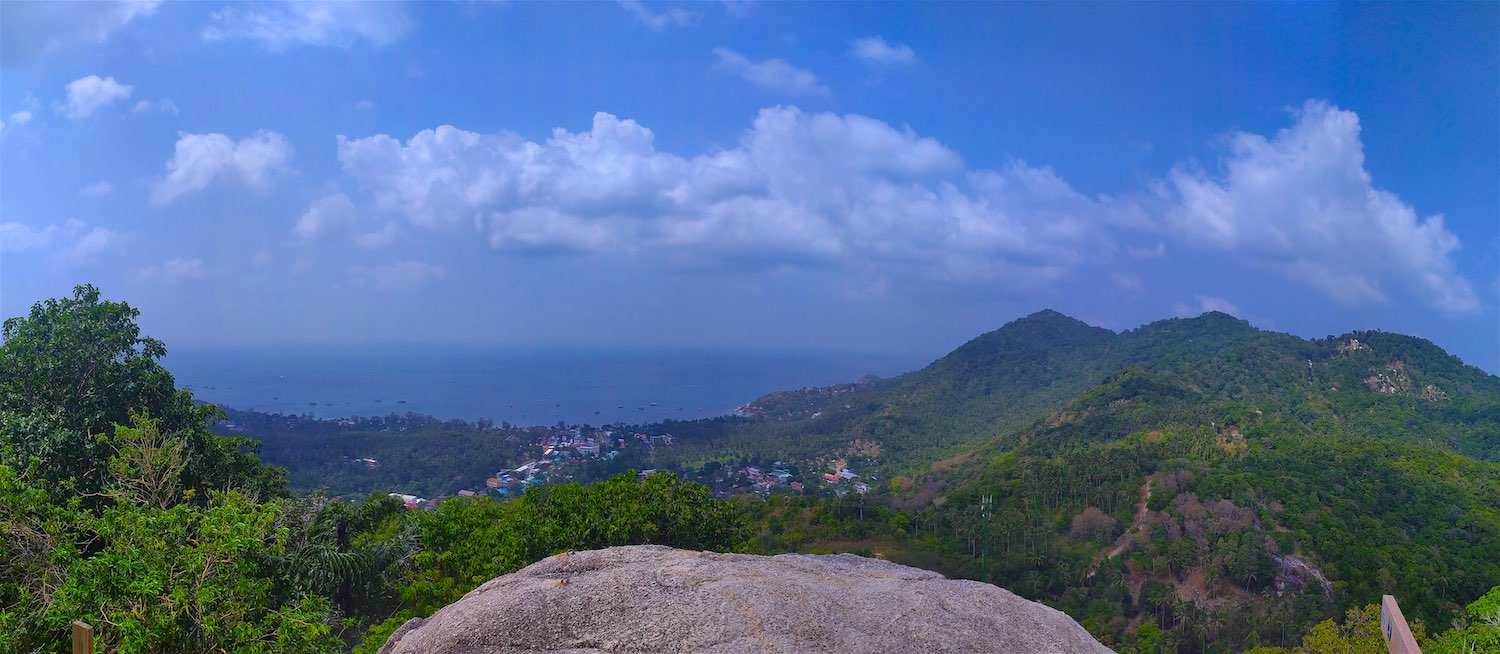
(83,638)
(1393,628)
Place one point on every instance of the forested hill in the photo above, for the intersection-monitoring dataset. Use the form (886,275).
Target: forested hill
(1217,481)
(1001,381)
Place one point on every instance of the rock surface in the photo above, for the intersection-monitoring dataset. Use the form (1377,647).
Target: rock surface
(658,599)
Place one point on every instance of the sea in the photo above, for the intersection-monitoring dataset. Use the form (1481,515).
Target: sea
(533,386)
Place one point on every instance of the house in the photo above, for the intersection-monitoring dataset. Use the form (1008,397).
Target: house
(493,482)
(845,474)
(411,501)
(797,486)
(830,478)
(861,487)
(466,493)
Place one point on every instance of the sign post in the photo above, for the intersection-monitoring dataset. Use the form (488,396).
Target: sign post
(83,638)
(1393,628)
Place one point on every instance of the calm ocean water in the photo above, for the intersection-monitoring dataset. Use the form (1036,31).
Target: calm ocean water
(522,386)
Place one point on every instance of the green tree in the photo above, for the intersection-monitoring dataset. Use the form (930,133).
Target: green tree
(1476,631)
(72,369)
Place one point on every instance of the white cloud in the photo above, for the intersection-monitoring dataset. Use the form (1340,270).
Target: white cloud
(96,189)
(875,50)
(379,238)
(165,106)
(20,118)
(365,105)
(17,237)
(1303,204)
(74,240)
(172,270)
(674,17)
(800,189)
(329,214)
(33,29)
(199,159)
(85,242)
(1203,304)
(401,275)
(88,94)
(315,23)
(773,74)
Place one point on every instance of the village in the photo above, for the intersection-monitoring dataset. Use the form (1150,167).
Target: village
(563,454)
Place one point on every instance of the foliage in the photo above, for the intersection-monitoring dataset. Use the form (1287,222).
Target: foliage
(183,578)
(1476,631)
(75,367)
(471,540)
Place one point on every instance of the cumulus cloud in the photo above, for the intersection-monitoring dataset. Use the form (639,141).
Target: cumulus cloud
(327,215)
(674,17)
(874,49)
(199,159)
(773,74)
(397,276)
(314,23)
(33,29)
(885,203)
(808,189)
(1302,203)
(88,94)
(72,242)
(96,189)
(20,118)
(172,270)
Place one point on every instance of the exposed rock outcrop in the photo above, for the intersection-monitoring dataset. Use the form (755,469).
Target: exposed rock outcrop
(659,599)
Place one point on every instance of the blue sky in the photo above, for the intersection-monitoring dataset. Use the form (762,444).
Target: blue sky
(883,177)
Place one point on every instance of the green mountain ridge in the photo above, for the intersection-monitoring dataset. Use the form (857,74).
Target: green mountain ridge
(1002,380)
(1281,476)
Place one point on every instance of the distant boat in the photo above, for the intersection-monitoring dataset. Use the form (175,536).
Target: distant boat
(400,401)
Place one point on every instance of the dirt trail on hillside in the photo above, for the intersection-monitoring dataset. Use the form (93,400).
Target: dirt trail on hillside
(1124,540)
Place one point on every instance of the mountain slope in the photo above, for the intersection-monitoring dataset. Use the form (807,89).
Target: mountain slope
(1001,381)
(1226,483)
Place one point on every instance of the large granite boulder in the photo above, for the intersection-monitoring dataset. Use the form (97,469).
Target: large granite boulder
(658,599)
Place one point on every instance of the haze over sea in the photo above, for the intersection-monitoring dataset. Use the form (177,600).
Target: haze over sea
(523,386)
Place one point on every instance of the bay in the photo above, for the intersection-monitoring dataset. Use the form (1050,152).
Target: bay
(522,386)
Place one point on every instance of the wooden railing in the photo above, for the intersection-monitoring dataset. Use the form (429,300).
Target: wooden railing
(1393,628)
